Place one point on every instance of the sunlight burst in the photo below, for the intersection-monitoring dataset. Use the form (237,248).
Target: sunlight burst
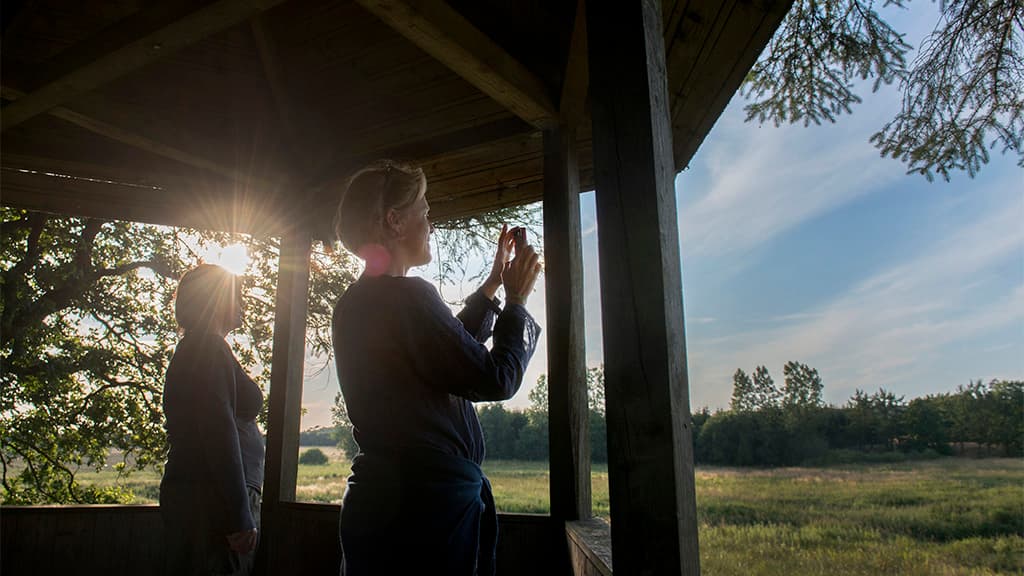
(234,257)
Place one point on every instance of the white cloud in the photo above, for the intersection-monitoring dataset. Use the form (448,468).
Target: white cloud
(890,328)
(763,182)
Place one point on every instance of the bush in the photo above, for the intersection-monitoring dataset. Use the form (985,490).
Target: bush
(313,457)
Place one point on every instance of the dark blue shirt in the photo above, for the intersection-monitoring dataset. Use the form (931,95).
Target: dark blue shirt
(409,370)
(211,406)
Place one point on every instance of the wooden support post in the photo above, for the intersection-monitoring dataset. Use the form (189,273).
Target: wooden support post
(568,422)
(285,385)
(650,455)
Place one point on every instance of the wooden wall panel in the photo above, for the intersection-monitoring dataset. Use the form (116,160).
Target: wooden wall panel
(108,540)
(128,541)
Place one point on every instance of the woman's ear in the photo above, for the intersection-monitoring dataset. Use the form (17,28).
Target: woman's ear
(394,220)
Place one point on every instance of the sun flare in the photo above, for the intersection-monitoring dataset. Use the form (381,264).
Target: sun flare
(234,257)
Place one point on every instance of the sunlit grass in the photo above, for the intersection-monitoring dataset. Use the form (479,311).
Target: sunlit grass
(947,517)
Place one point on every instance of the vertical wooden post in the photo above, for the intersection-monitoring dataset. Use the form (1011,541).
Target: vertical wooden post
(285,386)
(568,423)
(650,456)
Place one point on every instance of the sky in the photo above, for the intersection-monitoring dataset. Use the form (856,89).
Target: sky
(804,244)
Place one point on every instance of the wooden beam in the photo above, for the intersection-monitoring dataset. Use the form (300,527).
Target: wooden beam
(136,42)
(286,378)
(712,47)
(568,411)
(650,456)
(275,76)
(442,32)
(572,106)
(147,144)
(77,189)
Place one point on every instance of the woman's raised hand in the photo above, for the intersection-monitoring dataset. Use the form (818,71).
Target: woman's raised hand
(501,258)
(521,274)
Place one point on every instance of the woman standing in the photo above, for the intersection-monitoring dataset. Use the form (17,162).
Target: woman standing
(210,493)
(417,501)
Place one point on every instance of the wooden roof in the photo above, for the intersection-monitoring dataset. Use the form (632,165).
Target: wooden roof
(247,114)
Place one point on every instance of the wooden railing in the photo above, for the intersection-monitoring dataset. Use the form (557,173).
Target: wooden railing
(115,540)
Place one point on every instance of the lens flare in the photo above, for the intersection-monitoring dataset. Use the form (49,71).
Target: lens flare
(234,257)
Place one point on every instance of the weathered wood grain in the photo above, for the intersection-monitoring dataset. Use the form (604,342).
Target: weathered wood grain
(650,464)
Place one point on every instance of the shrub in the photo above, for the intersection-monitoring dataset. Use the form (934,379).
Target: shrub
(313,457)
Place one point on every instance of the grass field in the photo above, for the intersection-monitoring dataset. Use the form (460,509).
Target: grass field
(951,516)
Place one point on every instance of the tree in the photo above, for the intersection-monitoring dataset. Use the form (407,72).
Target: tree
(743,399)
(1008,398)
(803,386)
(765,393)
(962,94)
(313,457)
(926,424)
(87,332)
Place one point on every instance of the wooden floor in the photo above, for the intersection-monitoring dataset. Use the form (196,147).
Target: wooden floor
(128,540)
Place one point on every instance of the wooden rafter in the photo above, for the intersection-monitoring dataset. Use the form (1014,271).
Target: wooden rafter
(130,45)
(443,33)
(572,106)
(699,35)
(274,73)
(143,142)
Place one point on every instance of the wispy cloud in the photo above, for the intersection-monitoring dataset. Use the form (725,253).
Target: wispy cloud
(888,329)
(770,181)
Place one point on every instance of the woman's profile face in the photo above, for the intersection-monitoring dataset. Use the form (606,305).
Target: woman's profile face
(416,240)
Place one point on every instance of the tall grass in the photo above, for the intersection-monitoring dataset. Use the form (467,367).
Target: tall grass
(951,516)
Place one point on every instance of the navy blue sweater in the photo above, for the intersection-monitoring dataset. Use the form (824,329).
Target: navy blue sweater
(409,370)
(216,449)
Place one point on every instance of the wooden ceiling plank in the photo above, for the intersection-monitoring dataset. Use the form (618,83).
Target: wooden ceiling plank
(443,33)
(197,204)
(700,100)
(101,63)
(274,72)
(144,143)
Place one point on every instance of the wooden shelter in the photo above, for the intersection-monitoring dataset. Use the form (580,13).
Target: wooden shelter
(245,114)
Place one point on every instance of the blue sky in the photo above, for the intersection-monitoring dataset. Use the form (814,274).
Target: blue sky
(803,244)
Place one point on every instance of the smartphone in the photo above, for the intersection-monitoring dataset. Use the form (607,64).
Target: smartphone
(519,237)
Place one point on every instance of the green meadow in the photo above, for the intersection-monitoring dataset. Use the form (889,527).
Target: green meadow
(951,516)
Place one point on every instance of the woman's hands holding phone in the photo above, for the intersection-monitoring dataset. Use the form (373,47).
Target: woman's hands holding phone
(521,273)
(518,275)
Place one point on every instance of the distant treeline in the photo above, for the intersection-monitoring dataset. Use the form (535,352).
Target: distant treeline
(770,426)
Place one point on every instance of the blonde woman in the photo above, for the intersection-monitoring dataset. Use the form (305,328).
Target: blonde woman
(417,501)
(210,492)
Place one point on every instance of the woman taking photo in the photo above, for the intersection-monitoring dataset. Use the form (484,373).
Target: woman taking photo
(417,501)
(210,492)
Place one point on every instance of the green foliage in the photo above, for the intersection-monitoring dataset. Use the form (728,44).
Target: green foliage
(962,94)
(517,435)
(766,395)
(742,392)
(339,417)
(880,426)
(313,457)
(803,386)
(87,331)
(319,436)
(807,71)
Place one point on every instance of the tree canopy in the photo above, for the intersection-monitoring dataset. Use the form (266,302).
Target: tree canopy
(963,92)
